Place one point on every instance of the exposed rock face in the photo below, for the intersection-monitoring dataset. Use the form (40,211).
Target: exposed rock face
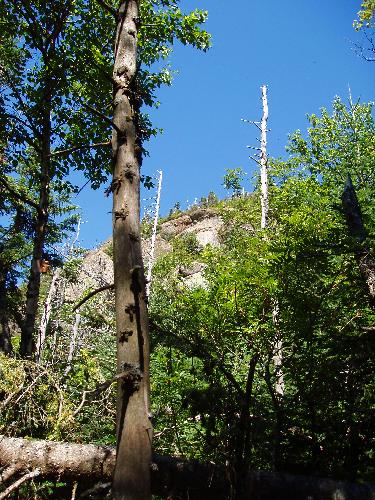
(193,275)
(206,230)
(97,268)
(174,227)
(194,268)
(96,271)
(162,247)
(205,224)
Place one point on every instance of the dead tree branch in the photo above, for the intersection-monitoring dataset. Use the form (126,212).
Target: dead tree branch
(17,484)
(91,294)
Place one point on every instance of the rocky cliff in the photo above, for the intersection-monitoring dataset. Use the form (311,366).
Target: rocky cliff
(96,269)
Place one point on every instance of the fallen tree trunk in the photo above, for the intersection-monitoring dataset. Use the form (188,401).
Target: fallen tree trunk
(171,477)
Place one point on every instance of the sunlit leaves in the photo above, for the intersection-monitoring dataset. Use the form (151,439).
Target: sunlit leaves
(365,15)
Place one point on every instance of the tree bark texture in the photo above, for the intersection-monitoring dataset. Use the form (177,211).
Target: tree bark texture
(41,220)
(356,229)
(5,335)
(171,477)
(134,430)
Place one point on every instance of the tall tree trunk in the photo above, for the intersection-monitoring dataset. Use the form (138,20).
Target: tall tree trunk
(245,431)
(33,287)
(278,352)
(134,430)
(278,345)
(264,160)
(5,336)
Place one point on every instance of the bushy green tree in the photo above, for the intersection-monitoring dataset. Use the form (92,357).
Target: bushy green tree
(307,262)
(56,74)
(233,180)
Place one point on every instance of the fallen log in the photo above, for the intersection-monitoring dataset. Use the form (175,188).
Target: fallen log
(171,477)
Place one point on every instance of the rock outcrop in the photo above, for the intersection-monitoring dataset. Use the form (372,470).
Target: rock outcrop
(97,271)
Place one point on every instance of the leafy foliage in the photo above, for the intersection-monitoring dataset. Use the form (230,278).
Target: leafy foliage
(233,180)
(305,262)
(366,14)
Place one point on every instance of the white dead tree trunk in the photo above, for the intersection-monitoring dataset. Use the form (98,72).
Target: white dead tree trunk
(73,344)
(278,352)
(264,160)
(47,309)
(51,298)
(153,237)
(278,345)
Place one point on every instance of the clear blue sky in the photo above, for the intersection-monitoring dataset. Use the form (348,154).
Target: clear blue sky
(303,51)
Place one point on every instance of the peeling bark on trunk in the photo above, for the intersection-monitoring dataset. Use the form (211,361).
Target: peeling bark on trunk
(134,430)
(171,477)
(356,228)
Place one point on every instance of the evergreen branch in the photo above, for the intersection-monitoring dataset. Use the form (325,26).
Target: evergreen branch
(78,148)
(91,294)
(17,195)
(26,137)
(19,98)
